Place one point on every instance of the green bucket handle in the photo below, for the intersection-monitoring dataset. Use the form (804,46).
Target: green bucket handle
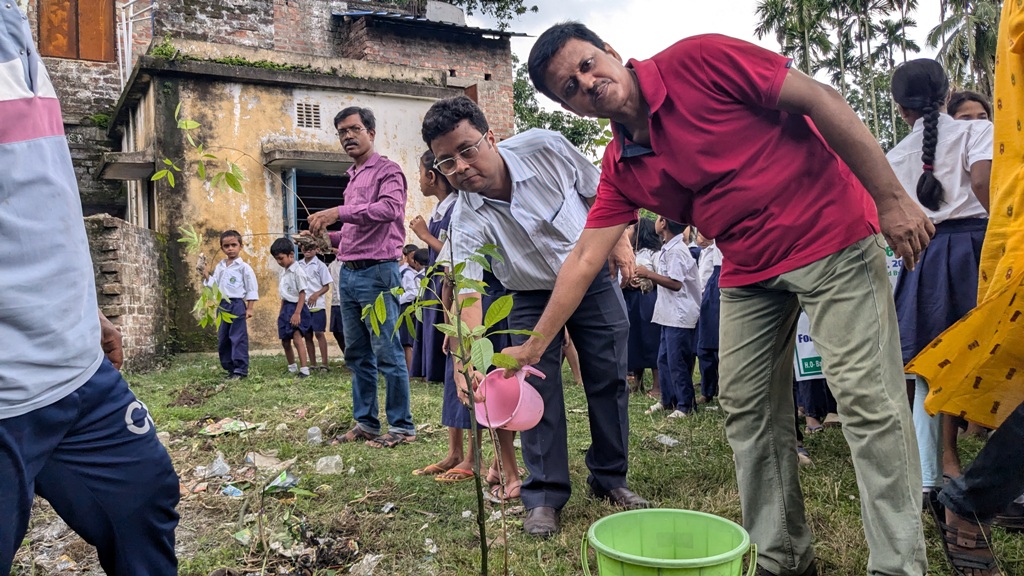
(586,560)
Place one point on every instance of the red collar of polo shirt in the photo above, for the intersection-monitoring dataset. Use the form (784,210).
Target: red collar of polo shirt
(652,86)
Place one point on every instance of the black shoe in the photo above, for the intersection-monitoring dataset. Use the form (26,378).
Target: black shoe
(1011,519)
(235,376)
(812,570)
(622,497)
(542,522)
(301,375)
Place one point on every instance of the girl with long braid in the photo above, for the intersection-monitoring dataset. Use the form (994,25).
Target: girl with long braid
(944,165)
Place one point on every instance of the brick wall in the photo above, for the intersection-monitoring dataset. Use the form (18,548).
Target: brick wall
(128,262)
(468,60)
(87,143)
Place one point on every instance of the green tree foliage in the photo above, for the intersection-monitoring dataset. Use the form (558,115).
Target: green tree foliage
(859,43)
(502,10)
(586,134)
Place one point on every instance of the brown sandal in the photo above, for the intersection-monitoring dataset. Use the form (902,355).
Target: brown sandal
(389,440)
(967,548)
(356,433)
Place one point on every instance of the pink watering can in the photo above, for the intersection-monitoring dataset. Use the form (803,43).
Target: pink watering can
(509,403)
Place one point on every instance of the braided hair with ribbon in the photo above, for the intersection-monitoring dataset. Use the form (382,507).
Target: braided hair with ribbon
(921,86)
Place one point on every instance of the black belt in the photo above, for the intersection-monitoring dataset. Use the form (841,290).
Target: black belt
(364,264)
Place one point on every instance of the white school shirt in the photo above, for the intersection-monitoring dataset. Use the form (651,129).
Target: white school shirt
(961,144)
(293,280)
(551,182)
(410,285)
(709,258)
(335,269)
(235,280)
(677,308)
(317,276)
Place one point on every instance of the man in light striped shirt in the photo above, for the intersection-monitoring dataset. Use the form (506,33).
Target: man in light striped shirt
(530,196)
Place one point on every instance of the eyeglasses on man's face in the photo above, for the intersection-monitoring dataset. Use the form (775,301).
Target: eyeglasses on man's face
(468,155)
(354,130)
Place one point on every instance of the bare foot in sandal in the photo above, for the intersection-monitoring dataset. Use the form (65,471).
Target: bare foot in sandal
(389,440)
(356,433)
(507,492)
(967,547)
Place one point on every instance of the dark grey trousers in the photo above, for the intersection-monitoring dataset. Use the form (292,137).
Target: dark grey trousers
(599,328)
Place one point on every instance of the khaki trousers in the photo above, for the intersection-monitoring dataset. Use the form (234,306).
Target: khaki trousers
(848,298)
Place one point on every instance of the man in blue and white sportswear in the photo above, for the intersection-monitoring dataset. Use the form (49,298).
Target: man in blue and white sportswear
(70,429)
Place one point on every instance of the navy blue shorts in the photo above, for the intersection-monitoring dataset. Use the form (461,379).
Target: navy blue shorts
(94,456)
(336,326)
(285,330)
(318,321)
(404,336)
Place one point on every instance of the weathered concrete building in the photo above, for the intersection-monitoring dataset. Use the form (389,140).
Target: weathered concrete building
(263,79)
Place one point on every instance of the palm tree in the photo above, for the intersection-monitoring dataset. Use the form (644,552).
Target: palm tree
(905,7)
(893,34)
(797,27)
(966,39)
(865,11)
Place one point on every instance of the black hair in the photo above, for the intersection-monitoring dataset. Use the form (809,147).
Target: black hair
(922,86)
(231,234)
(445,115)
(365,116)
(674,227)
(422,256)
(427,161)
(282,246)
(548,45)
(409,248)
(644,235)
(958,99)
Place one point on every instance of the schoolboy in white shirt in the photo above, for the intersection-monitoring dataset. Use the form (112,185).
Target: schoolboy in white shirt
(320,280)
(293,321)
(237,283)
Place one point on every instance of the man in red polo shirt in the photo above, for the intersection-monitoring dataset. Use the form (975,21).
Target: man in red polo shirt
(779,170)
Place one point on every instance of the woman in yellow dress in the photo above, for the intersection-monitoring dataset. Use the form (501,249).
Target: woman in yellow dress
(976,368)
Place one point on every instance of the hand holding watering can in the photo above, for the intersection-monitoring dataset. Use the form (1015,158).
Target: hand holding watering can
(508,403)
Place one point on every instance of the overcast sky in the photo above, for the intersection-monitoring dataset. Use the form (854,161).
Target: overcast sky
(641,28)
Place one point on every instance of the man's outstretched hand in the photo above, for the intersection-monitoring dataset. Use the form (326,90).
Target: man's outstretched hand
(906,229)
(322,219)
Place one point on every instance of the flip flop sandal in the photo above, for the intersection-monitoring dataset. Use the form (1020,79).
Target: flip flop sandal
(510,492)
(356,433)
(493,476)
(389,440)
(813,429)
(431,470)
(454,475)
(965,561)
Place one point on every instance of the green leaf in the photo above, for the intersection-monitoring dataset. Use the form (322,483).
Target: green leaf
(481,261)
(479,331)
(409,325)
(467,302)
(428,303)
(380,308)
(232,182)
(516,333)
(418,312)
(482,353)
(189,124)
(493,251)
(177,111)
(209,156)
(236,171)
(447,330)
(366,311)
(170,178)
(168,162)
(504,361)
(202,170)
(190,140)
(459,268)
(474,285)
(217,180)
(160,174)
(498,310)
(397,291)
(199,148)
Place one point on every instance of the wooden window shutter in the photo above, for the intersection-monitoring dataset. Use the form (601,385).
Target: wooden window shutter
(82,29)
(58,28)
(96,30)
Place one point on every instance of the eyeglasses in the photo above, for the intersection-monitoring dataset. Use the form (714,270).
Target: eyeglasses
(342,132)
(467,155)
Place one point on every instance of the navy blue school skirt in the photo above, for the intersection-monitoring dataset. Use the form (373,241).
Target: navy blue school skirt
(404,336)
(644,335)
(710,306)
(943,287)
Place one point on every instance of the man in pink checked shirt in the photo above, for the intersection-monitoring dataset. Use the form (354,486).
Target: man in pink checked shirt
(369,245)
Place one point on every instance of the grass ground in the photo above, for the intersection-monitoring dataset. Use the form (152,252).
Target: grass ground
(376,506)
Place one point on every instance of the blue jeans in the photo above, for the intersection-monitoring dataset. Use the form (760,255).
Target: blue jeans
(366,354)
(94,456)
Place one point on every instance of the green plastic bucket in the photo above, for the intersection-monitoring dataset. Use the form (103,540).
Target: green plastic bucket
(668,542)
